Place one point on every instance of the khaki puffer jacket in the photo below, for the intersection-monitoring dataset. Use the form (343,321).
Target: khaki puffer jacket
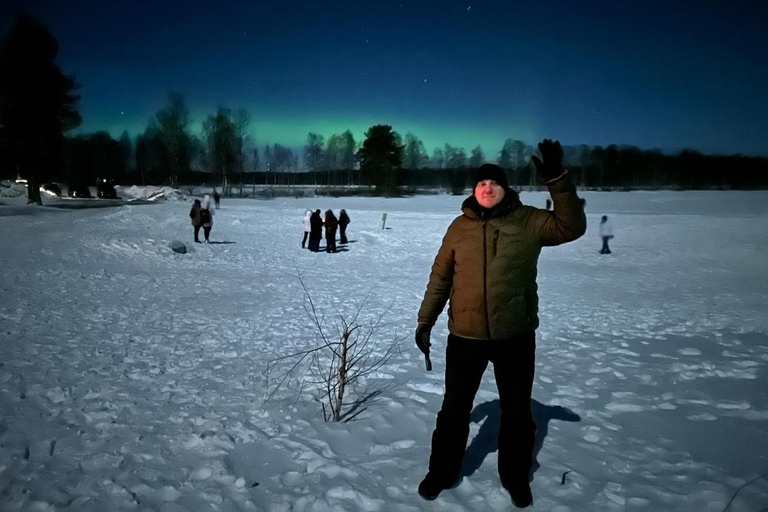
(487,264)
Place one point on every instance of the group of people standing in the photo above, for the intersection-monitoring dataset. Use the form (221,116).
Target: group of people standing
(313,229)
(201,215)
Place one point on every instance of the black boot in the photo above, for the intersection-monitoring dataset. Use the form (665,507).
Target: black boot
(431,487)
(521,494)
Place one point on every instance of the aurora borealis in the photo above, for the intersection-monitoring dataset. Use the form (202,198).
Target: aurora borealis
(654,74)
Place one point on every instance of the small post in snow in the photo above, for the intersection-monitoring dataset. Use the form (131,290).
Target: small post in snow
(383,220)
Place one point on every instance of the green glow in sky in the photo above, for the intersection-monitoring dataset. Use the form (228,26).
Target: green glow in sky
(292,131)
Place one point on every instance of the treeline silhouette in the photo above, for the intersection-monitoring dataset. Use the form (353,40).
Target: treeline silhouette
(38,107)
(88,157)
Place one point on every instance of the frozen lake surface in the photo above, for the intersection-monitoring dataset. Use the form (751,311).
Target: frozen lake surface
(133,378)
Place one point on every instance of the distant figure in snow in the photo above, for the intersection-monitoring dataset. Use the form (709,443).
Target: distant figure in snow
(316,231)
(343,221)
(206,217)
(331,223)
(216,197)
(606,233)
(194,214)
(549,204)
(307,227)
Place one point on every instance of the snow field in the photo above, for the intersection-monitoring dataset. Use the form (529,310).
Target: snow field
(133,378)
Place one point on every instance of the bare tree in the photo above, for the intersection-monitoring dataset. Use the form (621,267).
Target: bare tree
(241,119)
(221,137)
(314,154)
(478,157)
(414,153)
(173,129)
(455,158)
(336,363)
(340,154)
(505,155)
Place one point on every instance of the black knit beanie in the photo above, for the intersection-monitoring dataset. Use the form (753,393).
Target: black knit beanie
(489,172)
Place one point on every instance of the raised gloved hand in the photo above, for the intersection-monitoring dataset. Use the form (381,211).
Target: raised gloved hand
(552,166)
(423,332)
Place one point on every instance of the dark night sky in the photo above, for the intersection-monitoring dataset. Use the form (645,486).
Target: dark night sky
(666,74)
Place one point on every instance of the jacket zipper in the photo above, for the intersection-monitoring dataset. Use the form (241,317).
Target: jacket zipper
(485,282)
(495,242)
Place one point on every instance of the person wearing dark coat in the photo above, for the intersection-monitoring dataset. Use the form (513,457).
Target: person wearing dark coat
(216,198)
(487,267)
(316,231)
(206,217)
(197,221)
(343,221)
(331,223)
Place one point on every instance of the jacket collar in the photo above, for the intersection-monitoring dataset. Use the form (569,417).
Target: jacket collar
(472,209)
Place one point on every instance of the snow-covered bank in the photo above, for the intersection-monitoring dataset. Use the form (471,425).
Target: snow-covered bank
(132,377)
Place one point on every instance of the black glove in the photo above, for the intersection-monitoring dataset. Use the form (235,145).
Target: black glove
(423,332)
(552,166)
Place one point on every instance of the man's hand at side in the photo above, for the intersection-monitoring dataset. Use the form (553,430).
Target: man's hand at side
(423,333)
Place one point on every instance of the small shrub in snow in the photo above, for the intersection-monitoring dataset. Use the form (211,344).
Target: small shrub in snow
(336,363)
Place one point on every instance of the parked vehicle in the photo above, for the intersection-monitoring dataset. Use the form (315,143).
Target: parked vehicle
(105,189)
(79,191)
(51,189)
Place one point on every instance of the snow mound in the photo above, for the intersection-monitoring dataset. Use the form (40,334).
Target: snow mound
(11,189)
(151,193)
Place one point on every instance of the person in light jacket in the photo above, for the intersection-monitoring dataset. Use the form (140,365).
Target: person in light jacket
(606,233)
(487,267)
(307,227)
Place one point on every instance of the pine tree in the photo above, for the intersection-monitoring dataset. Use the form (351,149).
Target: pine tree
(380,159)
(37,104)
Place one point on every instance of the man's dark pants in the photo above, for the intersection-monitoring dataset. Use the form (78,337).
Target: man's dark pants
(513,365)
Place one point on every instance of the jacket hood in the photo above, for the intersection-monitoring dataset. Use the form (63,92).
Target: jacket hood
(472,209)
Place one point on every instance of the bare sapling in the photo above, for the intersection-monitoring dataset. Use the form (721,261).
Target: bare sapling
(337,362)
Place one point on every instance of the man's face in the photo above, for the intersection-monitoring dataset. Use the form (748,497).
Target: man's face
(489,193)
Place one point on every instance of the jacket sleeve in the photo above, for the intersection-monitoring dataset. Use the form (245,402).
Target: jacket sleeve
(566,221)
(440,283)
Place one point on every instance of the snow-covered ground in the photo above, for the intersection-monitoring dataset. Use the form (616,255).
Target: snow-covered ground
(132,377)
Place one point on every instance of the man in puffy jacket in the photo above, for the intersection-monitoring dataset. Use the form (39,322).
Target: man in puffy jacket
(487,267)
